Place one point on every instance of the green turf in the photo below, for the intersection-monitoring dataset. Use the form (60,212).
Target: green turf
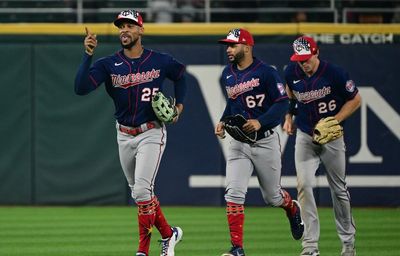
(112,231)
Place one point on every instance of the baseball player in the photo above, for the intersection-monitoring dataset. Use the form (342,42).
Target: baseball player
(256,92)
(318,91)
(132,76)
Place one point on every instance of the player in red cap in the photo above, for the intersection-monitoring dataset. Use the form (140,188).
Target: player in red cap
(132,76)
(256,92)
(320,91)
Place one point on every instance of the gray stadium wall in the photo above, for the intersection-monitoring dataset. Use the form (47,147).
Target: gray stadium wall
(58,148)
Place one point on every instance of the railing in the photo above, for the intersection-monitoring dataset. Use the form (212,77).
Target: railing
(369,15)
(79,11)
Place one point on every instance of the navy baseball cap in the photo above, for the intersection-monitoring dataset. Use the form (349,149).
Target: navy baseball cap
(304,47)
(131,16)
(238,36)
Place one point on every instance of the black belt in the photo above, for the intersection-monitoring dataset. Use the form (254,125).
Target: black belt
(264,134)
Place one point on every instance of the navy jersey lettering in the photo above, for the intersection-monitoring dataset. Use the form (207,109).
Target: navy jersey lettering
(252,92)
(131,83)
(321,95)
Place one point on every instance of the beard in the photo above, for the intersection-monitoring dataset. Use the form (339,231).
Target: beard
(237,58)
(130,45)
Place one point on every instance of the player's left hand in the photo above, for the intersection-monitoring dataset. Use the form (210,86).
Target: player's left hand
(179,109)
(165,109)
(220,130)
(289,127)
(326,130)
(252,125)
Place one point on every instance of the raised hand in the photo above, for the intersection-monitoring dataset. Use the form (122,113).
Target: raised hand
(90,42)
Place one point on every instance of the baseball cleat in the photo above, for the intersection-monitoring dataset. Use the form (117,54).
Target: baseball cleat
(348,250)
(168,244)
(296,223)
(140,254)
(234,251)
(309,252)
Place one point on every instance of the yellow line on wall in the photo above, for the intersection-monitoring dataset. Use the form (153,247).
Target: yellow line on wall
(191,29)
(318,28)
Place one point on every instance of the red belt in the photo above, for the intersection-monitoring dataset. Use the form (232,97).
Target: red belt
(134,131)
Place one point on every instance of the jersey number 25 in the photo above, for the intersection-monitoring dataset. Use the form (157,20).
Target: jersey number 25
(148,93)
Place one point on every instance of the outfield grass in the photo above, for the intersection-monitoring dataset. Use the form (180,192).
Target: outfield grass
(112,231)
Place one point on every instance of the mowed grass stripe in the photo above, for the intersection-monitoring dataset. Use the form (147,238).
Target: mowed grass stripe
(109,231)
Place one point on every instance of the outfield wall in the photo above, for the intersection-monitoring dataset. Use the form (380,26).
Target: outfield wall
(58,148)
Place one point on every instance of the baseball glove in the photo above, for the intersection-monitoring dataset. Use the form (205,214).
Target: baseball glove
(164,108)
(233,125)
(326,130)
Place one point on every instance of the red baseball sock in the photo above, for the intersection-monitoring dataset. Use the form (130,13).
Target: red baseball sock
(160,222)
(288,204)
(146,219)
(235,215)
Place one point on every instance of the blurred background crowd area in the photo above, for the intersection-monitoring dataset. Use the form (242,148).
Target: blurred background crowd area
(167,11)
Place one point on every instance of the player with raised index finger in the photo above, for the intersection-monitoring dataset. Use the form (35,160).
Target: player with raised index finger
(256,104)
(133,78)
(321,96)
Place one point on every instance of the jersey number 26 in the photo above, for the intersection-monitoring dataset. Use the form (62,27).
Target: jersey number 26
(324,107)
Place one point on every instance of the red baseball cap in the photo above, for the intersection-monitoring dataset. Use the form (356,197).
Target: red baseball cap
(238,36)
(131,16)
(304,47)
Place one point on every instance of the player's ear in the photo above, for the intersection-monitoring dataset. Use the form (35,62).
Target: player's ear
(247,48)
(141,30)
